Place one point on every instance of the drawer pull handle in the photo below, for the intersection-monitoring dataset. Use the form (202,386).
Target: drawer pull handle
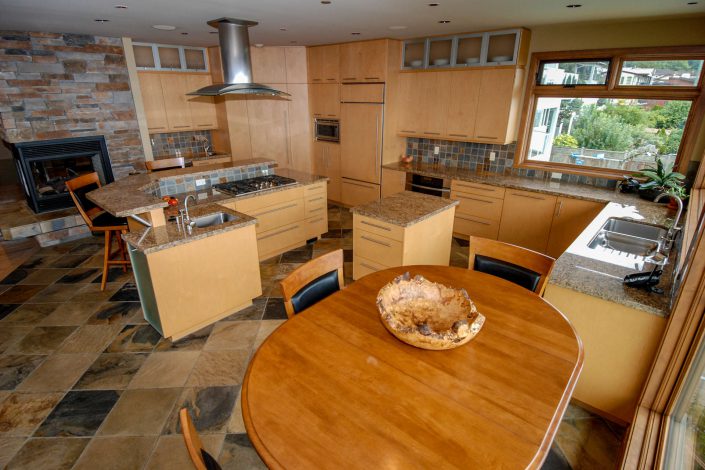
(358,184)
(204,125)
(408,132)
(487,137)
(275,210)
(371,78)
(317,79)
(459,135)
(473,220)
(375,241)
(316,210)
(315,199)
(432,133)
(388,229)
(530,197)
(365,265)
(180,127)
(473,199)
(349,78)
(279,232)
(492,190)
(160,127)
(320,219)
(331,79)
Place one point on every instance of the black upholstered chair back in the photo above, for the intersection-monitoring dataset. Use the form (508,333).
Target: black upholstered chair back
(526,278)
(313,282)
(315,291)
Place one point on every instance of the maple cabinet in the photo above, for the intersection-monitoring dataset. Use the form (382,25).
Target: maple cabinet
(323,64)
(361,141)
(268,120)
(167,106)
(325,100)
(478,105)
(268,64)
(364,61)
(570,218)
(326,161)
(526,219)
(393,182)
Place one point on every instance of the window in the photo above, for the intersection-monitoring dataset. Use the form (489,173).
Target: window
(607,112)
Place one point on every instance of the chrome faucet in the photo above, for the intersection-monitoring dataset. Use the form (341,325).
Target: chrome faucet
(671,235)
(187,220)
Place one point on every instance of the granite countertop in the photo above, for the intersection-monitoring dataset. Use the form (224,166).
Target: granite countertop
(405,208)
(194,156)
(170,235)
(580,268)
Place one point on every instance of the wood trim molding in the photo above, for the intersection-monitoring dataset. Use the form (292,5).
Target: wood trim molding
(137,97)
(611,90)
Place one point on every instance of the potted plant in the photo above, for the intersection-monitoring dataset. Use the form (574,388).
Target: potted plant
(659,179)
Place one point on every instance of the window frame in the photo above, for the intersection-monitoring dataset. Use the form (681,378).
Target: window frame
(612,89)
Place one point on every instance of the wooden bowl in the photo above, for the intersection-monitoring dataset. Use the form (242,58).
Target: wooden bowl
(428,315)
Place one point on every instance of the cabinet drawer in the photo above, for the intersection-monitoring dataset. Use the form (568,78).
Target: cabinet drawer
(377,227)
(315,205)
(371,246)
(354,193)
(280,214)
(257,202)
(363,267)
(475,226)
(315,188)
(280,239)
(478,206)
(477,188)
(316,226)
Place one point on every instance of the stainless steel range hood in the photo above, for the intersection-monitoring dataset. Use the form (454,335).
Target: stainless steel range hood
(237,66)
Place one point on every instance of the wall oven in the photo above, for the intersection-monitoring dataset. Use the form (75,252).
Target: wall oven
(327,130)
(428,185)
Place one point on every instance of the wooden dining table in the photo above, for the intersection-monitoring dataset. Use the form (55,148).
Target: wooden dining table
(332,388)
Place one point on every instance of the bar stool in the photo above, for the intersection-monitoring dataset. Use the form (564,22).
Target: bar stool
(99,221)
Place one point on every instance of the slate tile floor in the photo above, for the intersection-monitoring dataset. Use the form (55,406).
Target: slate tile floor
(86,383)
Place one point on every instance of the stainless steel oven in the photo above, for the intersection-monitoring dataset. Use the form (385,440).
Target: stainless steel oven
(327,129)
(428,185)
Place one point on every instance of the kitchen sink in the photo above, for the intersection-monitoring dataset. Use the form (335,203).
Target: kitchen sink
(627,238)
(210,220)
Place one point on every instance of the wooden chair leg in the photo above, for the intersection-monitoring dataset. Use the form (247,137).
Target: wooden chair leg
(106,257)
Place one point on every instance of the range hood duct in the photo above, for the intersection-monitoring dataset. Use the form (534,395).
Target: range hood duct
(237,66)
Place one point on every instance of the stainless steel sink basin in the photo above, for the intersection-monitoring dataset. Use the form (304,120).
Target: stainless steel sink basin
(625,238)
(215,218)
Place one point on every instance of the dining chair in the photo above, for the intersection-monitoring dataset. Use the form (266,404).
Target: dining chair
(527,268)
(312,282)
(98,220)
(165,164)
(201,459)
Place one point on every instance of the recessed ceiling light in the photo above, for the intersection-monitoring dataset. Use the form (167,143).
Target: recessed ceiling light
(355,33)
(282,29)
(573,5)
(433,4)
(121,7)
(213,32)
(259,44)
(397,27)
(184,34)
(292,42)
(100,20)
(326,2)
(444,21)
(164,27)
(692,3)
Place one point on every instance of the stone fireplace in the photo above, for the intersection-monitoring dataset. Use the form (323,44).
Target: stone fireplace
(45,166)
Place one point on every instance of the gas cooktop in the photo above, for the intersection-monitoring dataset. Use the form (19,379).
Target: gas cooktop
(251,185)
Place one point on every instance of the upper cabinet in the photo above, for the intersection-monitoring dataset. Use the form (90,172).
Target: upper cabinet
(167,57)
(509,47)
(478,105)
(364,61)
(167,106)
(323,64)
(268,64)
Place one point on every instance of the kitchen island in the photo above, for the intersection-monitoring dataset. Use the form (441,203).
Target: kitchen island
(191,276)
(403,229)
(620,326)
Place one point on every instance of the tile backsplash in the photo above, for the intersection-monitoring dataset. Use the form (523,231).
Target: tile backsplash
(475,156)
(179,142)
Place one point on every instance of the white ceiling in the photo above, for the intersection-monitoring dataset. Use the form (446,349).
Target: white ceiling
(310,22)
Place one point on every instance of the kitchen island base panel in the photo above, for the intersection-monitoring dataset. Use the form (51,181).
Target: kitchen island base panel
(182,334)
(194,284)
(620,344)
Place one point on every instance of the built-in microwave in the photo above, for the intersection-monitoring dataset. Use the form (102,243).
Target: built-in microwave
(327,129)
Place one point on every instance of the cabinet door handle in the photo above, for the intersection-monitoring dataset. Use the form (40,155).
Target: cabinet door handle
(275,210)
(357,184)
(487,137)
(473,199)
(317,79)
(375,241)
(559,206)
(204,125)
(530,197)
(371,78)
(458,135)
(491,190)
(278,233)
(408,132)
(161,127)
(365,265)
(432,133)
(331,79)
(472,220)
(377,152)
(364,222)
(180,127)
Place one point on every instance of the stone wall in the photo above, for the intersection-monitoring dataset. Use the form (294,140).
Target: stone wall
(55,86)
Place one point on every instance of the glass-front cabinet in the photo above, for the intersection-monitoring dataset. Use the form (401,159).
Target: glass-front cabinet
(465,50)
(168,57)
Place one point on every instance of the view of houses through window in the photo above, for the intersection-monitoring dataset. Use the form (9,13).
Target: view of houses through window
(613,133)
